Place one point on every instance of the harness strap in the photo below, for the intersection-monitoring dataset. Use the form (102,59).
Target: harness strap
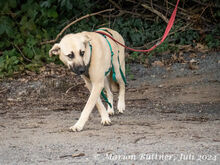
(106,73)
(112,53)
(112,66)
(122,74)
(102,93)
(105,98)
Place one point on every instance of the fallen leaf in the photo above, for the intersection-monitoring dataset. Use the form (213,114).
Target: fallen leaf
(193,64)
(146,62)
(181,53)
(192,61)
(192,55)
(186,47)
(168,68)
(174,57)
(158,63)
(201,48)
(181,60)
(203,56)
(42,69)
(160,86)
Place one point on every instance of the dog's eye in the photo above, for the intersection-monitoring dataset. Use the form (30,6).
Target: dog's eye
(71,55)
(81,53)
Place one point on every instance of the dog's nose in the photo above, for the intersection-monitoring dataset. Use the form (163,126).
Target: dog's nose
(81,70)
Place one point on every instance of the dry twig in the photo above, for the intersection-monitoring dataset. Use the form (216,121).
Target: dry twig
(22,53)
(73,155)
(178,30)
(115,4)
(216,5)
(73,87)
(67,26)
(155,12)
(122,12)
(138,139)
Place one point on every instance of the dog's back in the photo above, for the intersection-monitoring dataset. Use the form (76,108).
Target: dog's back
(114,85)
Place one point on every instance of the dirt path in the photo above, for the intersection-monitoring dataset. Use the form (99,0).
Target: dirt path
(172,117)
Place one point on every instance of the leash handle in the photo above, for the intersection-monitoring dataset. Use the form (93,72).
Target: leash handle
(168,28)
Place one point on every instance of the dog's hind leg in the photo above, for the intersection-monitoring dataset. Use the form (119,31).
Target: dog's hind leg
(105,120)
(114,85)
(121,97)
(121,83)
(109,96)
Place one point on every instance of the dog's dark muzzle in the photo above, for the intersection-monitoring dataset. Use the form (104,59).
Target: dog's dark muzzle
(79,70)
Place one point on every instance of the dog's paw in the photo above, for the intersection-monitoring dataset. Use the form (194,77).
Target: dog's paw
(76,128)
(110,111)
(106,121)
(121,107)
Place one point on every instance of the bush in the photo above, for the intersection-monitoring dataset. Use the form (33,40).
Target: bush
(26,23)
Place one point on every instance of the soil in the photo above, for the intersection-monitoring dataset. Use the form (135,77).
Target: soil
(172,116)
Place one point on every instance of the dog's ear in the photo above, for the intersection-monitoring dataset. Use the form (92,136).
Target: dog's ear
(55,50)
(86,38)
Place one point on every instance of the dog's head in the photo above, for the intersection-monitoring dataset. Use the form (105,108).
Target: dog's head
(73,51)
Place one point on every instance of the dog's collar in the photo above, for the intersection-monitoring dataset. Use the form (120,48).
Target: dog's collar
(88,65)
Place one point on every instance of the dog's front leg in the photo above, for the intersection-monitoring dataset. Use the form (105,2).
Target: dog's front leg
(101,108)
(95,93)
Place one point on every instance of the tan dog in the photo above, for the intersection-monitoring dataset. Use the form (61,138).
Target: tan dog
(88,54)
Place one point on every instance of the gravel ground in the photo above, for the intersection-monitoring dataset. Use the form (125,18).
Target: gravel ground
(172,117)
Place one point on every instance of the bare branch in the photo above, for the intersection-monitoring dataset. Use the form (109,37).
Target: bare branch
(115,4)
(155,12)
(122,12)
(216,5)
(67,26)
(73,87)
(184,28)
(22,53)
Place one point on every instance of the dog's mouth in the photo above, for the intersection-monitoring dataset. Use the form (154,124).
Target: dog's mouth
(79,70)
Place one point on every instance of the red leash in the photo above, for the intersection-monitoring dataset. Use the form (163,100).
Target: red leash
(169,26)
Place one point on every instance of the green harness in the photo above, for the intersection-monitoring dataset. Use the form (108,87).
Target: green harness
(112,67)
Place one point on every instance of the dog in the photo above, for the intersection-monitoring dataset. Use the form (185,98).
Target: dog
(92,56)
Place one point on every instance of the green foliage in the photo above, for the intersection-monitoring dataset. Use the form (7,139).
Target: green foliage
(211,39)
(138,31)
(187,38)
(9,62)
(26,23)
